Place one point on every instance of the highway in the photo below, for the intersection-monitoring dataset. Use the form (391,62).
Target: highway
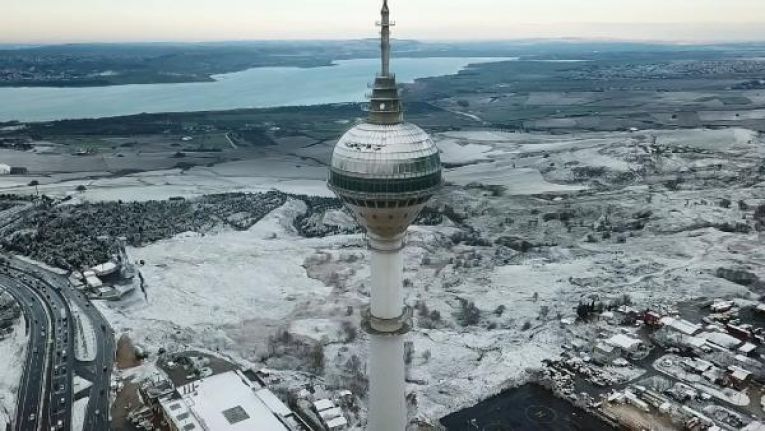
(31,399)
(46,393)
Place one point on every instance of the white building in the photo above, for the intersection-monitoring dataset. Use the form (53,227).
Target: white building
(4,169)
(624,342)
(680,325)
(105,268)
(722,339)
(225,402)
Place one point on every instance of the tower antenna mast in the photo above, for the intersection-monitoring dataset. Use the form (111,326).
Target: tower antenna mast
(385,25)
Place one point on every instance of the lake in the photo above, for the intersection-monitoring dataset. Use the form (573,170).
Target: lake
(529,408)
(345,81)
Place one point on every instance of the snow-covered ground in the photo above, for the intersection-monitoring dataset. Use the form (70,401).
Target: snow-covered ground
(12,355)
(79,408)
(231,291)
(84,334)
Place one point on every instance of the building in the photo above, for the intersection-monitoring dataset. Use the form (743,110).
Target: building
(605,353)
(721,340)
(5,169)
(625,343)
(739,377)
(92,280)
(748,349)
(331,416)
(105,269)
(721,306)
(680,325)
(226,402)
(652,318)
(385,170)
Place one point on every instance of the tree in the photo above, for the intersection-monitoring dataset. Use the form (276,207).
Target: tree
(316,359)
(35,183)
(468,314)
(408,352)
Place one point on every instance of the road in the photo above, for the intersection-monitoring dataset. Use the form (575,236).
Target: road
(46,395)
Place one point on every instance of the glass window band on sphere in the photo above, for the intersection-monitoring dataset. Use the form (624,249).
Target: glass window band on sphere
(384,185)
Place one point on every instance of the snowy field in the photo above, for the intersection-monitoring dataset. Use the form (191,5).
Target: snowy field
(603,214)
(12,355)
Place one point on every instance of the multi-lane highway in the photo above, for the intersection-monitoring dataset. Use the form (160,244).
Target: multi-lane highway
(32,393)
(46,393)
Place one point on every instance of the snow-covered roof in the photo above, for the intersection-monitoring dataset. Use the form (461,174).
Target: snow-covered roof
(721,339)
(680,325)
(105,268)
(93,281)
(323,404)
(695,341)
(330,414)
(624,342)
(605,348)
(228,402)
(337,423)
(722,305)
(739,373)
(275,404)
(747,348)
(180,415)
(754,426)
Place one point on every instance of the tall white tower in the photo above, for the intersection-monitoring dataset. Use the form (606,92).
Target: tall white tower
(384,170)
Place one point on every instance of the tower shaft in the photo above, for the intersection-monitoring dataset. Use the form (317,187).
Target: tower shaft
(388,321)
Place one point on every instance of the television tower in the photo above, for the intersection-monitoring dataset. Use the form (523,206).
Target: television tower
(385,170)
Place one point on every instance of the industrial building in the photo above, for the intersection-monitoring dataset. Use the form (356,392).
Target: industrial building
(223,402)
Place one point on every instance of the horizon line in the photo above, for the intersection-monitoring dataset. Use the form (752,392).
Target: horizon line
(581,39)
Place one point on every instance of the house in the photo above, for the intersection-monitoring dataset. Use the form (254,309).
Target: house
(652,318)
(742,332)
(722,340)
(748,349)
(721,306)
(739,377)
(605,353)
(331,415)
(680,325)
(624,342)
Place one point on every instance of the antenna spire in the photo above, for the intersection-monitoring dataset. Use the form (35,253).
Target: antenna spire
(385,38)
(385,104)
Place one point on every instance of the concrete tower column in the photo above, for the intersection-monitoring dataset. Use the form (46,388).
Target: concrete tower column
(387,321)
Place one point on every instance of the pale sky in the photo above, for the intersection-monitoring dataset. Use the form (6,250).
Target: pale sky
(57,21)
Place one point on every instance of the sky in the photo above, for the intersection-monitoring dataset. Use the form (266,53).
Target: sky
(61,21)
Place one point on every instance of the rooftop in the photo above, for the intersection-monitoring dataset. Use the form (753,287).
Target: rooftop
(228,401)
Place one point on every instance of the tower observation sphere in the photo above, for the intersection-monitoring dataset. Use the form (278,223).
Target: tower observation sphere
(385,170)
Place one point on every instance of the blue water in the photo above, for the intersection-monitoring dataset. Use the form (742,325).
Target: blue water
(346,81)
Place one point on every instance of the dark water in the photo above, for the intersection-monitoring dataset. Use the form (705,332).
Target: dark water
(528,408)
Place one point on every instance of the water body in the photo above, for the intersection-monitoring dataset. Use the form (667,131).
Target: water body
(528,408)
(264,87)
